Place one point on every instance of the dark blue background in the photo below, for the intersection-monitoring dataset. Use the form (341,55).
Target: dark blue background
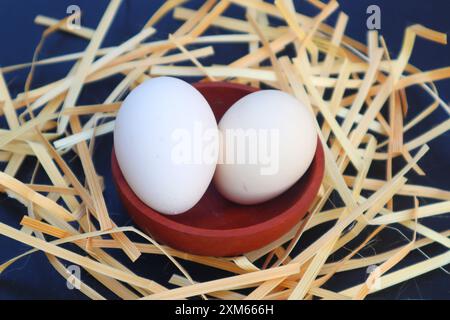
(34,278)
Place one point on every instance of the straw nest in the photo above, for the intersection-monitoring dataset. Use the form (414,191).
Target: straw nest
(356,91)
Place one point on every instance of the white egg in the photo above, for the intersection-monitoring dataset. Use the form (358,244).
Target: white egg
(166,144)
(268,140)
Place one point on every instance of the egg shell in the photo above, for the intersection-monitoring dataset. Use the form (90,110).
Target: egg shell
(153,121)
(286,144)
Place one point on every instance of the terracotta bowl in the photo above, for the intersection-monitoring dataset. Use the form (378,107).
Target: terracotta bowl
(216,226)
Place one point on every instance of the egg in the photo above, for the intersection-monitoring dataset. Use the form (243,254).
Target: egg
(267,142)
(166,143)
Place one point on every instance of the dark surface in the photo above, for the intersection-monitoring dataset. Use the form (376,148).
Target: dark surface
(34,278)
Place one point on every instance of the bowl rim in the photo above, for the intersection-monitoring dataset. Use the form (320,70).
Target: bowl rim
(317,166)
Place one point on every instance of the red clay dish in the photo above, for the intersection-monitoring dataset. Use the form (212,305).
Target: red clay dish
(216,226)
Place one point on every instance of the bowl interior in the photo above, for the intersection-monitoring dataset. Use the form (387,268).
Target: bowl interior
(213,211)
